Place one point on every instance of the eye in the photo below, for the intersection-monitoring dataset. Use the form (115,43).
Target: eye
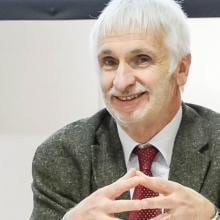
(142,60)
(109,63)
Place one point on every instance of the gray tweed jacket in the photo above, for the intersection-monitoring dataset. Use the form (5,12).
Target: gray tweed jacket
(87,155)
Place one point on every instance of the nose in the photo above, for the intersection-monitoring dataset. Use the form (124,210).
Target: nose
(124,78)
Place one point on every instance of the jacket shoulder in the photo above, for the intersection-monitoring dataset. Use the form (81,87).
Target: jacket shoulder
(73,140)
(207,121)
(80,132)
(212,118)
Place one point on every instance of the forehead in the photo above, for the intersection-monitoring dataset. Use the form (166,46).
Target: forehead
(131,43)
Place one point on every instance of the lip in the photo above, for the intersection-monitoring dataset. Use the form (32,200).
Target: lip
(129,103)
(130,97)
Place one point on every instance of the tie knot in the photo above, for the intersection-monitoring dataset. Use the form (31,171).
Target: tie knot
(146,156)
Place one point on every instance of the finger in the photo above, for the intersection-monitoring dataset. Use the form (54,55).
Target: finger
(159,202)
(119,206)
(120,186)
(110,218)
(164,216)
(131,172)
(157,184)
(104,217)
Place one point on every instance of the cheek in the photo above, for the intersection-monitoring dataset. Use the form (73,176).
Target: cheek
(149,73)
(106,81)
(149,80)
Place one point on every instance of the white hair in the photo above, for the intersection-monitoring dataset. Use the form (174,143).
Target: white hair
(144,16)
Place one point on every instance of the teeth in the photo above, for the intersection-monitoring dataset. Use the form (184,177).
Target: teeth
(128,98)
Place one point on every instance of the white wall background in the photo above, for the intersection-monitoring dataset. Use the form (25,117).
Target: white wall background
(47,80)
(203,85)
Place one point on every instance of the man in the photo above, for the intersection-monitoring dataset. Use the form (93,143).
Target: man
(142,49)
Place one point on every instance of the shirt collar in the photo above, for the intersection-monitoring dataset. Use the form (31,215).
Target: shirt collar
(163,141)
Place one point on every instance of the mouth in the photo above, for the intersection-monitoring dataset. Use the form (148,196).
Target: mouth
(130,97)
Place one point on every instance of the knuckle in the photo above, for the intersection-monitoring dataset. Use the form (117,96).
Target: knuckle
(169,217)
(178,187)
(146,203)
(130,182)
(93,207)
(112,208)
(179,201)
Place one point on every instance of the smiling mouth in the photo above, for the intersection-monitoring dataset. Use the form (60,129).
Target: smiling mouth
(130,97)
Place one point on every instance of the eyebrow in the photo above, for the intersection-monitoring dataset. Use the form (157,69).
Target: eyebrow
(135,51)
(105,52)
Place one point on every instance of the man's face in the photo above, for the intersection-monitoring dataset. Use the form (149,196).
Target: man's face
(136,85)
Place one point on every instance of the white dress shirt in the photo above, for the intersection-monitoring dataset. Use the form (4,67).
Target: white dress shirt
(163,141)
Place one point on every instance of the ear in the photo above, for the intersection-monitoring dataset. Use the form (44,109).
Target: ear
(182,70)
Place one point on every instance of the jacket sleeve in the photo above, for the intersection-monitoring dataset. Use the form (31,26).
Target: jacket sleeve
(60,179)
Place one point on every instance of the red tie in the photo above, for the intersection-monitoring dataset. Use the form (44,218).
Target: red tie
(145,157)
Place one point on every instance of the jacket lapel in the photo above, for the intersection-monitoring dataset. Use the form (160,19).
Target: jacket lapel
(189,163)
(108,163)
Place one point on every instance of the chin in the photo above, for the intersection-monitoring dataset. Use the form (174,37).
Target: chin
(128,119)
(134,116)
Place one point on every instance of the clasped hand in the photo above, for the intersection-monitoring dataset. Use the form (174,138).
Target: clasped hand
(177,201)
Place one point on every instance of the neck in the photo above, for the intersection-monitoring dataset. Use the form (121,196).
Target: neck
(143,132)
